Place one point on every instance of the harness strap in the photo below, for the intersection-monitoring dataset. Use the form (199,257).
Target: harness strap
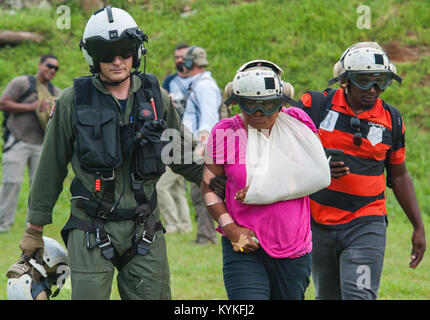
(108,204)
(140,245)
(93,207)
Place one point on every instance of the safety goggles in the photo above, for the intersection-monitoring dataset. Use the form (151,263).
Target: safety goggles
(267,107)
(365,81)
(51,66)
(105,51)
(358,137)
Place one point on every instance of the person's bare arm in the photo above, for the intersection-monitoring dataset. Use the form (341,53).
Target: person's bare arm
(405,194)
(242,239)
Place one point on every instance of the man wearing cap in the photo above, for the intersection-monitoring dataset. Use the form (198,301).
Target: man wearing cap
(201,114)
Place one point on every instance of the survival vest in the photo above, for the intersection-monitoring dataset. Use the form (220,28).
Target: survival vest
(104,144)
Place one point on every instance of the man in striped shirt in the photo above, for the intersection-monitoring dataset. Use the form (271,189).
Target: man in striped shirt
(349,217)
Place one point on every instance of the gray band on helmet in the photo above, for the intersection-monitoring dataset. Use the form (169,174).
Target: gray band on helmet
(109,14)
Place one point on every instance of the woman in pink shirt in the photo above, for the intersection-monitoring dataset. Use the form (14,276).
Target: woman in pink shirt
(266,248)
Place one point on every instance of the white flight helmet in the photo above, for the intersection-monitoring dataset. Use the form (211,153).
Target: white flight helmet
(33,281)
(363,57)
(259,80)
(112,32)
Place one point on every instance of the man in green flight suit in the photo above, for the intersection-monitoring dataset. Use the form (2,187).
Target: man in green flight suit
(109,126)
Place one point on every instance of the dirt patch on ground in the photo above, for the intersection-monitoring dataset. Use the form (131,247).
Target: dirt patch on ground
(405,53)
(425,82)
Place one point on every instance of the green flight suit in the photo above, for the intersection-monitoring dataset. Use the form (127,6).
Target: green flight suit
(144,277)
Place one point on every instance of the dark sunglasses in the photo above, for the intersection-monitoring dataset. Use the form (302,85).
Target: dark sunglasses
(105,51)
(358,137)
(112,58)
(51,66)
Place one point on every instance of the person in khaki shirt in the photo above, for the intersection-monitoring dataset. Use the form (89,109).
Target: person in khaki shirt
(27,101)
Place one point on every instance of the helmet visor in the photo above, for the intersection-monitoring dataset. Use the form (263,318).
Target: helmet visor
(267,107)
(365,81)
(103,50)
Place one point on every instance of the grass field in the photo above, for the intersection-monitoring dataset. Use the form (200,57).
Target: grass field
(196,271)
(305,38)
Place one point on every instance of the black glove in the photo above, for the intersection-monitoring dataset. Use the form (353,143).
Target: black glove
(217,184)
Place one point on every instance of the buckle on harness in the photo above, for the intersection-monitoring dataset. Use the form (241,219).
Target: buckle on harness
(143,244)
(104,244)
(143,210)
(112,177)
(87,241)
(150,239)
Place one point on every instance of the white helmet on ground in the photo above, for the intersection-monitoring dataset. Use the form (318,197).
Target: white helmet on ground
(33,281)
(112,32)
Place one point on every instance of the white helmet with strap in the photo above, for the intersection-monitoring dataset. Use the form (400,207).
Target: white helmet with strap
(33,281)
(259,80)
(111,32)
(363,57)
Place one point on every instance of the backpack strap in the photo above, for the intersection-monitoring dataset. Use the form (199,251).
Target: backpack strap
(31,88)
(51,89)
(321,104)
(166,82)
(397,142)
(25,95)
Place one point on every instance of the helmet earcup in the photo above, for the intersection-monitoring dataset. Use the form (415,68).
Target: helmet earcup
(189,61)
(287,89)
(228,90)
(338,69)
(229,95)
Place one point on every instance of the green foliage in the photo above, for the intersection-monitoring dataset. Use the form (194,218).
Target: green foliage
(305,38)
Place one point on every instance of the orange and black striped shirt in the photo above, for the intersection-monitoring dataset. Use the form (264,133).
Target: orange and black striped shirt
(361,193)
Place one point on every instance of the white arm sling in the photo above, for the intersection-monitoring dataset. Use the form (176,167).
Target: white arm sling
(289,164)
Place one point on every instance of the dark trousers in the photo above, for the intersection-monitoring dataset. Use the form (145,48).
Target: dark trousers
(257,276)
(347,263)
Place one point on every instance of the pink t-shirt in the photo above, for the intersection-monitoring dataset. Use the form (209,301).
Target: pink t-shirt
(282,228)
